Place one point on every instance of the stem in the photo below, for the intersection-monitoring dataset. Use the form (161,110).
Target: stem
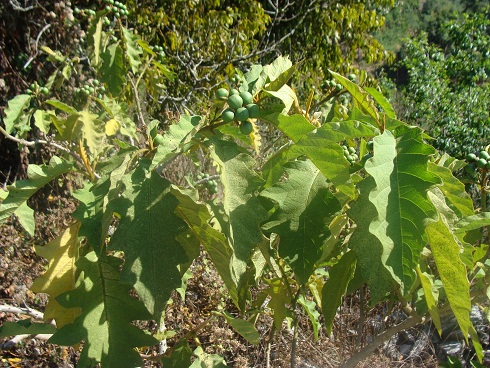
(366,351)
(361,317)
(295,342)
(269,346)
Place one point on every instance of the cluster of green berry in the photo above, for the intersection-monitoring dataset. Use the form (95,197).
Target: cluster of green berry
(331,84)
(118,8)
(211,185)
(240,108)
(35,89)
(84,12)
(92,88)
(159,51)
(482,161)
(350,154)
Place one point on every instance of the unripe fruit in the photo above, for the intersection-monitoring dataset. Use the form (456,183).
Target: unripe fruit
(352,77)
(241,114)
(253,110)
(352,150)
(247,98)
(235,102)
(339,87)
(471,157)
(228,115)
(44,90)
(158,140)
(481,163)
(234,91)
(484,154)
(222,94)
(246,127)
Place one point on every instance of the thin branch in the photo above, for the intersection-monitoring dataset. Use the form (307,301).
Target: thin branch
(37,43)
(17,310)
(366,351)
(15,4)
(7,345)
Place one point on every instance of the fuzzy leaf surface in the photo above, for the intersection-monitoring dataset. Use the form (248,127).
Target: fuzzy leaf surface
(305,205)
(399,168)
(133,49)
(113,73)
(14,111)
(107,315)
(147,234)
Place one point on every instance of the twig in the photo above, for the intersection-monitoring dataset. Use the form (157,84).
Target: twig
(15,4)
(7,345)
(37,43)
(17,310)
(269,346)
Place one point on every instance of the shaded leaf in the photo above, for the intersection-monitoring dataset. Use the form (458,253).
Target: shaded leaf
(15,110)
(113,73)
(180,358)
(335,288)
(244,328)
(25,327)
(133,49)
(108,311)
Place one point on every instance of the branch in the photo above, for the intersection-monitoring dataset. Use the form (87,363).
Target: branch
(366,351)
(15,4)
(27,311)
(7,345)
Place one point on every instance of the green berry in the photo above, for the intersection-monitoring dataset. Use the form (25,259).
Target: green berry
(222,94)
(481,163)
(471,157)
(91,89)
(158,140)
(199,176)
(44,90)
(107,8)
(352,150)
(339,87)
(484,154)
(253,110)
(246,127)
(352,77)
(247,98)
(228,115)
(242,114)
(29,91)
(235,101)
(95,82)
(234,91)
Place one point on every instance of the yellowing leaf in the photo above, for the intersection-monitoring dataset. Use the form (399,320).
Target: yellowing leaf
(60,276)
(92,129)
(111,127)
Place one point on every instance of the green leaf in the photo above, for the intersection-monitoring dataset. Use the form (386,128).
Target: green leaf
(176,137)
(472,222)
(334,289)
(310,308)
(62,253)
(133,49)
(454,191)
(244,211)
(431,295)
(15,110)
(25,327)
(198,218)
(287,96)
(452,271)
(22,190)
(97,37)
(244,328)
(294,126)
(279,299)
(42,121)
(113,73)
(93,130)
(205,360)
(305,208)
(399,168)
(382,101)
(108,311)
(277,70)
(369,249)
(63,107)
(25,215)
(147,234)
(181,356)
(363,98)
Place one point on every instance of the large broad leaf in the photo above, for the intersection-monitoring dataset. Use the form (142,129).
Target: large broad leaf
(133,49)
(452,271)
(334,289)
(60,277)
(113,72)
(244,211)
(198,218)
(181,356)
(382,102)
(399,168)
(369,249)
(205,360)
(147,234)
(305,206)
(22,190)
(108,311)
(93,130)
(472,222)
(454,191)
(177,135)
(15,110)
